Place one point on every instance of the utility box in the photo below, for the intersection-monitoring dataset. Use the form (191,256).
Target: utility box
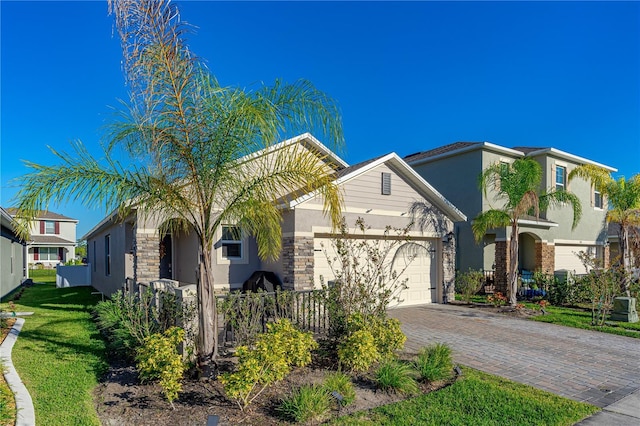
(624,309)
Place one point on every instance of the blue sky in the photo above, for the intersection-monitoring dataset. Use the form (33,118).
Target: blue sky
(408,76)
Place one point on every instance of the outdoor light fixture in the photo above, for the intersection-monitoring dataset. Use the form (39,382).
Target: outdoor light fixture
(448,238)
(213,420)
(337,396)
(457,370)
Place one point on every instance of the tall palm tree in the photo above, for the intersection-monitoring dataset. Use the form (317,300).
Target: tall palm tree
(199,152)
(623,196)
(519,185)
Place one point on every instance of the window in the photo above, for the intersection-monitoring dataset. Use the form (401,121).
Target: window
(597,199)
(231,242)
(386,183)
(48,253)
(107,255)
(561,178)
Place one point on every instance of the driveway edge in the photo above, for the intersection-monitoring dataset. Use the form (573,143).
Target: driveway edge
(25,414)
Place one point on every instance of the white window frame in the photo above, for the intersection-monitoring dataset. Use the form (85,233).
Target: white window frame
(47,224)
(560,186)
(224,243)
(42,251)
(598,202)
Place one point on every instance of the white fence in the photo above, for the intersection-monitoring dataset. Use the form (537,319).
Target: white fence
(73,276)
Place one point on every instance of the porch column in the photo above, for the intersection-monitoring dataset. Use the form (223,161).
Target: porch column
(146,263)
(297,263)
(502,266)
(545,257)
(606,254)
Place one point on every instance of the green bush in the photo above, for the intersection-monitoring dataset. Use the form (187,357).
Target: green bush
(569,292)
(469,283)
(305,404)
(341,383)
(158,358)
(268,361)
(397,376)
(358,351)
(434,362)
(386,332)
(127,320)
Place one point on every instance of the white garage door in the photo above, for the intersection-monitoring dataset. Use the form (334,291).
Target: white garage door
(567,258)
(421,272)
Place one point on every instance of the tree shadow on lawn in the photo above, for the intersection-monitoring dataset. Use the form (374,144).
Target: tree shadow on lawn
(49,297)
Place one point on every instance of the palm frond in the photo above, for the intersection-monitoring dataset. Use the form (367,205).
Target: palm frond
(489,219)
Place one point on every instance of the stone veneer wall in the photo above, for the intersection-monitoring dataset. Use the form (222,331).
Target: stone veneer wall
(545,257)
(297,263)
(502,266)
(147,259)
(449,270)
(606,256)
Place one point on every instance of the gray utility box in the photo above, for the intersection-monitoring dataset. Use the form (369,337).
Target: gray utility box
(624,309)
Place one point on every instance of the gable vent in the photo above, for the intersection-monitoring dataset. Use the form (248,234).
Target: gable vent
(386,183)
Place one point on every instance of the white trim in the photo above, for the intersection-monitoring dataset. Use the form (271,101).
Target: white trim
(537,223)
(357,210)
(570,157)
(476,145)
(407,172)
(574,242)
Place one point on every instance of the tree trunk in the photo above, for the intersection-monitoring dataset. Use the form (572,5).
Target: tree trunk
(513,264)
(207,315)
(623,237)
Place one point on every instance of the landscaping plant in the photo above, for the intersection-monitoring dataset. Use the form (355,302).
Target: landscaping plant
(305,404)
(397,376)
(469,283)
(358,351)
(159,358)
(434,362)
(341,383)
(267,362)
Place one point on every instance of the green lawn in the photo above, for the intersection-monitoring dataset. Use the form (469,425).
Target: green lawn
(581,318)
(60,354)
(477,399)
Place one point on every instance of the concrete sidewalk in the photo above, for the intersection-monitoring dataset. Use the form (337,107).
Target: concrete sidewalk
(583,365)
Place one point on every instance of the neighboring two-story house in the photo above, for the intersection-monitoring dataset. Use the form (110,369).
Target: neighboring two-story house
(12,255)
(546,243)
(52,239)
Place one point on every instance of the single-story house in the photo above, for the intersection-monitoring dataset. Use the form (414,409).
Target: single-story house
(379,190)
(13,266)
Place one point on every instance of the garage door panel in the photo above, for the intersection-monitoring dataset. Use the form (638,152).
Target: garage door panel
(421,272)
(566,257)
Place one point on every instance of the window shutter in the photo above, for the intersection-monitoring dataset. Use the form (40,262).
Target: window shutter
(36,253)
(60,252)
(42,226)
(386,183)
(56,227)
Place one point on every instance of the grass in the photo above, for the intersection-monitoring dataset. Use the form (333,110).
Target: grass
(581,318)
(477,399)
(307,403)
(576,317)
(60,354)
(7,404)
(397,376)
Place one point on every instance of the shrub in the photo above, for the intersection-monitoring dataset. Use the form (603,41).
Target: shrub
(358,351)
(341,383)
(570,291)
(497,299)
(386,332)
(469,283)
(158,358)
(305,404)
(397,376)
(269,361)
(127,320)
(434,362)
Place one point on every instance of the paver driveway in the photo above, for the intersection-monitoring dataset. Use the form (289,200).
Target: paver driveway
(579,364)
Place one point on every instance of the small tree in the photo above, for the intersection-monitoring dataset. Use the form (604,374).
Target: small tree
(367,276)
(469,283)
(603,286)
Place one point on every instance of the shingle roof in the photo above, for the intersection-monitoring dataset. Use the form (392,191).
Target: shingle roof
(42,214)
(49,239)
(438,151)
(347,170)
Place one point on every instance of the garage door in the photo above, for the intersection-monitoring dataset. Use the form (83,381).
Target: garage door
(567,258)
(421,272)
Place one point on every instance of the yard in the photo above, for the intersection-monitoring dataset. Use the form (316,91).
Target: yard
(60,356)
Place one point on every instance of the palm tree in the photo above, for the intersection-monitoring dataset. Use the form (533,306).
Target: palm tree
(199,152)
(519,185)
(623,196)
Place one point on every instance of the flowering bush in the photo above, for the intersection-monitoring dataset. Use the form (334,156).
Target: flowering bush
(497,299)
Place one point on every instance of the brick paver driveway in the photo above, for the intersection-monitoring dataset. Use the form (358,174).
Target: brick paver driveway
(582,365)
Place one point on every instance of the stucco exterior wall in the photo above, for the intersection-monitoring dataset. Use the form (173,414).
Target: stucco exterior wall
(11,261)
(112,280)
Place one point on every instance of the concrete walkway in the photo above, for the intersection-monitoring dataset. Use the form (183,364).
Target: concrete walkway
(24,405)
(598,368)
